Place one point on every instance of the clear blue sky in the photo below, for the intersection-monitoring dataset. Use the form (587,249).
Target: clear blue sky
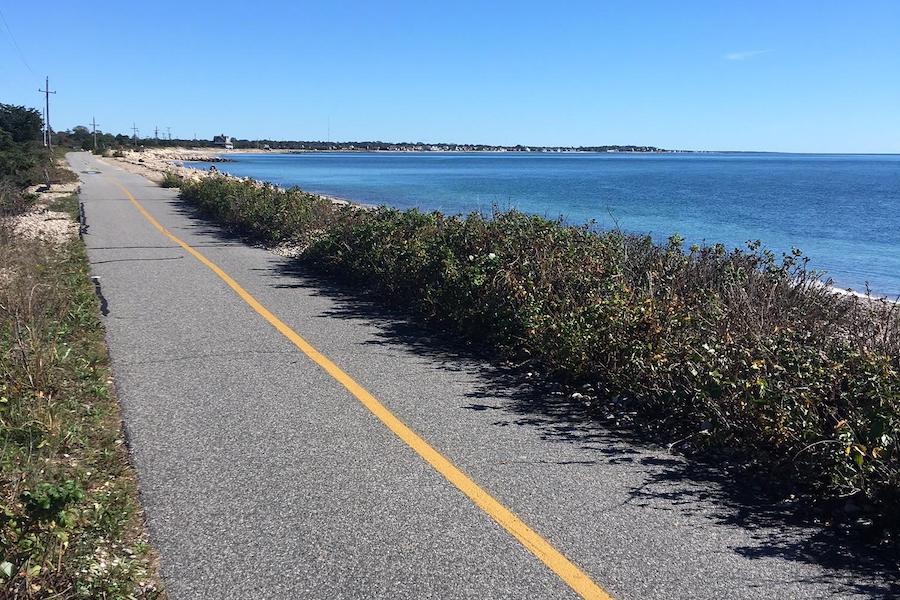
(821,76)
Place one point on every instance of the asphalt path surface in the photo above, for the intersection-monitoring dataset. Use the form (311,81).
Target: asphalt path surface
(263,477)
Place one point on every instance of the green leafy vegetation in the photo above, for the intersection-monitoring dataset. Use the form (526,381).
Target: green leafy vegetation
(21,154)
(23,159)
(262,211)
(82,138)
(70,524)
(170,180)
(737,353)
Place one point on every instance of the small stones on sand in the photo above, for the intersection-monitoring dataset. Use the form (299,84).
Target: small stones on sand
(42,223)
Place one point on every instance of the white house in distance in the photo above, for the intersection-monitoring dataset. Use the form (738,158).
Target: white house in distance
(224,141)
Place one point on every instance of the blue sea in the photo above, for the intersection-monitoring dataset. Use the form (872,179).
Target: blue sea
(843,211)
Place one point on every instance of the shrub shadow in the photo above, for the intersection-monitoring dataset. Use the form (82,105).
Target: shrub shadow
(724,495)
(852,560)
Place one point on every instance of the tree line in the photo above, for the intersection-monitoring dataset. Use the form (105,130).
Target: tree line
(22,154)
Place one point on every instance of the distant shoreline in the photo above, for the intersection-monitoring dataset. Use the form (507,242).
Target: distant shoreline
(222,151)
(153,162)
(522,152)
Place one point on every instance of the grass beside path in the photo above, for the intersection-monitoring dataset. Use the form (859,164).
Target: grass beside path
(70,523)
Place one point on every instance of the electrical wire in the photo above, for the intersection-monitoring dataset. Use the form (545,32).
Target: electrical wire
(16,44)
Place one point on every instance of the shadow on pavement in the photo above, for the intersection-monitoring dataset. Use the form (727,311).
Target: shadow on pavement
(780,528)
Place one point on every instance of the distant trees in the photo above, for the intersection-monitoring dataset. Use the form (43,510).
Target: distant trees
(81,137)
(78,137)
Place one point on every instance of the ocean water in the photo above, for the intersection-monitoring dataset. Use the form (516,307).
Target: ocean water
(843,211)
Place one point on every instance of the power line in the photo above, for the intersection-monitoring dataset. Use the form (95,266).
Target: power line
(16,44)
(46,91)
(134,131)
(94,123)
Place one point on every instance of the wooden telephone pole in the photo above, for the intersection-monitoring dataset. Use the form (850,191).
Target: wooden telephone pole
(94,124)
(46,91)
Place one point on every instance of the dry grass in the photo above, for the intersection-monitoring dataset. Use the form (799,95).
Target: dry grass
(70,523)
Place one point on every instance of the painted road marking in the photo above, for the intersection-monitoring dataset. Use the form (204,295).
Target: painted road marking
(574,577)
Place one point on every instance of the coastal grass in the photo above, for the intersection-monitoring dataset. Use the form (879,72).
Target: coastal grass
(13,201)
(738,353)
(70,523)
(170,180)
(57,170)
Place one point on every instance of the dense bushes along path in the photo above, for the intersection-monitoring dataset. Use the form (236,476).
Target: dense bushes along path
(740,352)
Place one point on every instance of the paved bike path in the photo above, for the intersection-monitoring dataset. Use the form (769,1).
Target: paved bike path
(263,477)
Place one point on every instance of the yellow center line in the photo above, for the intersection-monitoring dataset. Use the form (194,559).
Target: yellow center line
(541,548)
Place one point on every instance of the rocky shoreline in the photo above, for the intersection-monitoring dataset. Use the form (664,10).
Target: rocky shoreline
(154,163)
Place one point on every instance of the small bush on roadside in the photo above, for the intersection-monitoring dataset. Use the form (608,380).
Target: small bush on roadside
(170,180)
(60,173)
(740,351)
(13,201)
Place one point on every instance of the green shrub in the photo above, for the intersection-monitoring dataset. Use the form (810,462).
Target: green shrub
(262,211)
(170,180)
(22,159)
(728,351)
(13,201)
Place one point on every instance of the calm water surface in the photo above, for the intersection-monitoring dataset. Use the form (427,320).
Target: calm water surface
(841,210)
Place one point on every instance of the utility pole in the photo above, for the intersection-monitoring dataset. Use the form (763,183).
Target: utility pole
(94,124)
(46,91)
(156,132)
(169,131)
(134,132)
